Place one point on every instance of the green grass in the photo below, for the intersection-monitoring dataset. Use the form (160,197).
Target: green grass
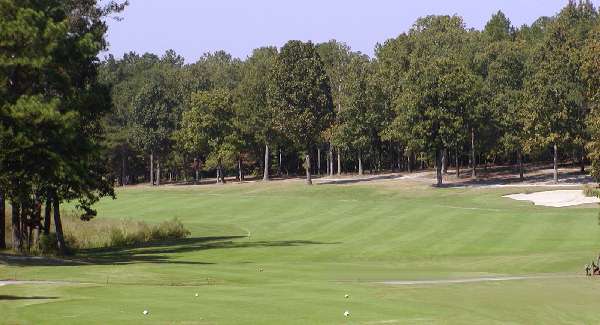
(316,244)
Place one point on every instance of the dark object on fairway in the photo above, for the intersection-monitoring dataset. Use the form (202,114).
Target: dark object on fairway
(588,268)
(595,269)
(9,297)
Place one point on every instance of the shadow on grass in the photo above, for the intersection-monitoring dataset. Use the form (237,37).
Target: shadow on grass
(157,252)
(5,297)
(359,179)
(504,178)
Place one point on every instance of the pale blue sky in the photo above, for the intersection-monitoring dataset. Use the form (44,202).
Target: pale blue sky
(192,27)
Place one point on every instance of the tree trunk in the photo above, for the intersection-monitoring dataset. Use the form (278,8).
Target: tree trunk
(444,161)
(240,172)
(37,221)
(47,217)
(457,158)
(2,221)
(555,163)
(157,171)
(438,167)
(266,171)
(360,165)
(124,167)
(17,241)
(60,239)
(319,161)
(520,162)
(196,179)
(409,162)
(122,177)
(582,161)
(279,167)
(151,168)
(473,163)
(307,167)
(339,162)
(327,163)
(330,160)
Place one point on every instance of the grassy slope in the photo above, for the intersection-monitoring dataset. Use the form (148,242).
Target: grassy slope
(318,243)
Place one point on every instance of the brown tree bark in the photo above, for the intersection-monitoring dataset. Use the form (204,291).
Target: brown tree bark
(520,162)
(473,163)
(555,163)
(457,157)
(47,217)
(339,162)
(445,161)
(2,221)
(60,238)
(319,161)
(279,167)
(360,165)
(17,241)
(151,168)
(330,159)
(240,170)
(307,167)
(157,171)
(438,167)
(266,170)
(37,221)
(582,161)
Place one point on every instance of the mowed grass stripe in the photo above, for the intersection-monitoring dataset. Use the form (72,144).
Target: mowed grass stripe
(342,239)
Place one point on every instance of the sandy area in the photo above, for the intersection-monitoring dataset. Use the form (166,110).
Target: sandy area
(558,198)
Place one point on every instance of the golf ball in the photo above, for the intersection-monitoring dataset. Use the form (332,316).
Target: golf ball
(145,312)
(196,294)
(346,313)
(347,296)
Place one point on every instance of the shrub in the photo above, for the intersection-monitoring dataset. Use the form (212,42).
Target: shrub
(104,233)
(591,191)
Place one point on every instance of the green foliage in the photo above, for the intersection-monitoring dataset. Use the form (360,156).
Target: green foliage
(498,28)
(153,115)
(208,126)
(255,116)
(556,100)
(440,89)
(359,119)
(300,94)
(591,75)
(51,104)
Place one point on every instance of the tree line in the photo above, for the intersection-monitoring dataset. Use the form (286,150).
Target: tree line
(440,94)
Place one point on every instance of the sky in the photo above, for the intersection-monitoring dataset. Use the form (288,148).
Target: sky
(193,27)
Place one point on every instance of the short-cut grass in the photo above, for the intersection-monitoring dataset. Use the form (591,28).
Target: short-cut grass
(285,253)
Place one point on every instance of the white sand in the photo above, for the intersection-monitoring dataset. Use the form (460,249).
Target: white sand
(557,199)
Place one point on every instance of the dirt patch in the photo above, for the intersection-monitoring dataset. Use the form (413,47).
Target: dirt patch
(557,199)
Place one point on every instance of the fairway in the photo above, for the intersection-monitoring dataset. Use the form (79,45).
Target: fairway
(285,253)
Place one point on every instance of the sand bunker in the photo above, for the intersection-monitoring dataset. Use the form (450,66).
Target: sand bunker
(559,198)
